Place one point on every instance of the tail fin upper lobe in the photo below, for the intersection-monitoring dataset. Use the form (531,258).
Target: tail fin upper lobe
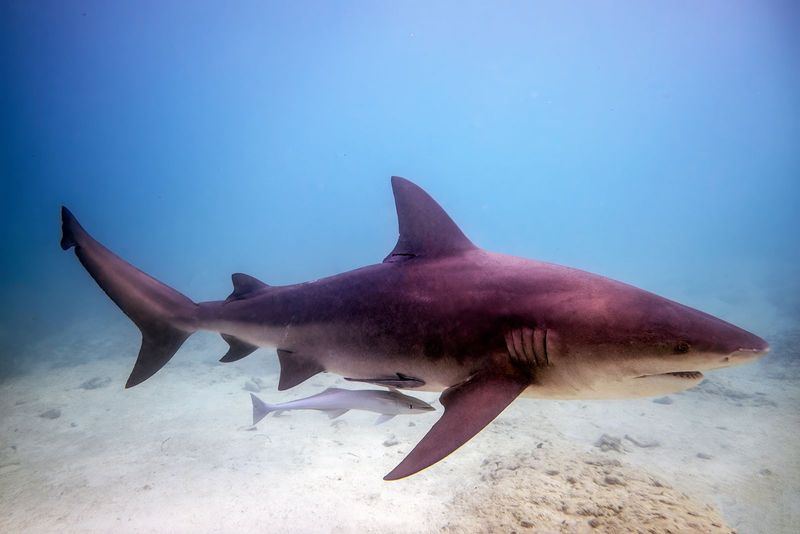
(165,317)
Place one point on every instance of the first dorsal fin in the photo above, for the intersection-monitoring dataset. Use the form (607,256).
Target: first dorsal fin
(244,286)
(425,229)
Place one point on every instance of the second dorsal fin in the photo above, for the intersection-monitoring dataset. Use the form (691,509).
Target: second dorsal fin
(244,286)
(425,229)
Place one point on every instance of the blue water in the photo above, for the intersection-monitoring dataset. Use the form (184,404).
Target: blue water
(656,143)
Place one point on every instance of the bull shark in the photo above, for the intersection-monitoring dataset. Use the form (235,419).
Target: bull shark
(438,314)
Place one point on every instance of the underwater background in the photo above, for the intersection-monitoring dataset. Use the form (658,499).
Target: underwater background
(654,143)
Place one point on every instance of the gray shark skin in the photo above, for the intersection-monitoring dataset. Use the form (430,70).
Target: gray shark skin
(483,328)
(337,401)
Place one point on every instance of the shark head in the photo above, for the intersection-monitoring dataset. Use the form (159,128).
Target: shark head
(677,338)
(621,341)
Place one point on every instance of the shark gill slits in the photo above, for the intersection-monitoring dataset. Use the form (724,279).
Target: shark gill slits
(510,346)
(544,348)
(540,345)
(516,338)
(527,346)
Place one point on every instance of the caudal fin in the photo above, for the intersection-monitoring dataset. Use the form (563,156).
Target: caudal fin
(165,317)
(260,409)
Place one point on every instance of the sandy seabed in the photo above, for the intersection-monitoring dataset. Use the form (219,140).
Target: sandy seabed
(177,454)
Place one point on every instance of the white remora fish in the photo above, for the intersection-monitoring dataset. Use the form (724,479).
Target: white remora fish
(336,401)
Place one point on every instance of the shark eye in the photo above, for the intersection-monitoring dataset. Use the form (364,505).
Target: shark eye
(682,348)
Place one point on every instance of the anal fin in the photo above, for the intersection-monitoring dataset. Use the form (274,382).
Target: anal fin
(237,350)
(469,407)
(296,368)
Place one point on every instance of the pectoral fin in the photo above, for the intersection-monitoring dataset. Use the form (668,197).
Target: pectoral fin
(469,407)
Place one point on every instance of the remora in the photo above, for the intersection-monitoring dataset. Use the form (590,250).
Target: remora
(438,314)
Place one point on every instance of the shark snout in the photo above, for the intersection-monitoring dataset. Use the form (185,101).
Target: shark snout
(747,350)
(749,354)
(751,346)
(758,346)
(727,339)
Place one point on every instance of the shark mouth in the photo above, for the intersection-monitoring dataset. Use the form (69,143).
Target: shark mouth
(682,375)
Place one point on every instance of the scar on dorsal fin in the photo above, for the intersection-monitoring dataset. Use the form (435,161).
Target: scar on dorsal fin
(398,381)
(237,350)
(426,230)
(468,408)
(296,368)
(244,286)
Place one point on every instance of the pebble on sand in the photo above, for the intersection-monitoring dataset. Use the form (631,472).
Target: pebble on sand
(96,382)
(663,400)
(643,443)
(609,443)
(251,386)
